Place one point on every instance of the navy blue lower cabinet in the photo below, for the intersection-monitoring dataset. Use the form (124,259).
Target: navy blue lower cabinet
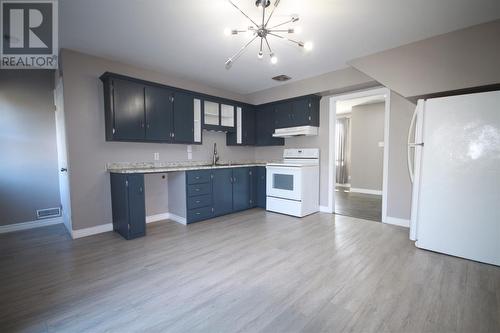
(128,205)
(199,199)
(242,180)
(222,191)
(217,192)
(261,186)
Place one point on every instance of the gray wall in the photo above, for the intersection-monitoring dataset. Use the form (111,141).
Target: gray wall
(462,59)
(88,152)
(28,166)
(399,185)
(367,158)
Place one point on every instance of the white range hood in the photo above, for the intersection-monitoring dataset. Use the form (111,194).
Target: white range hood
(295,131)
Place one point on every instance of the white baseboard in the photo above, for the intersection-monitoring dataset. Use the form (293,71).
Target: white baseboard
(166,216)
(397,221)
(109,226)
(324,209)
(98,229)
(157,217)
(30,224)
(177,218)
(365,191)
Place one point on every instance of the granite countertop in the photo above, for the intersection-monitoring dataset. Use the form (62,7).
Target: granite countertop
(160,167)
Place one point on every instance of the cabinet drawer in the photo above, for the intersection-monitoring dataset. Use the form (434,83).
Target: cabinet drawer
(198,177)
(199,214)
(199,201)
(198,189)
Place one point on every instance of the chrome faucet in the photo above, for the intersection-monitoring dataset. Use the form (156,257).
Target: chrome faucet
(215,157)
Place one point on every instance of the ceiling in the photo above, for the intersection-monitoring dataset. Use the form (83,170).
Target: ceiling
(185,37)
(346,106)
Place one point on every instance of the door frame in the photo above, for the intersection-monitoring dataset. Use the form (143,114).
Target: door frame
(62,154)
(331,143)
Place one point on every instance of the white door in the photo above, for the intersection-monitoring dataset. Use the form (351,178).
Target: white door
(459,178)
(62,155)
(284,182)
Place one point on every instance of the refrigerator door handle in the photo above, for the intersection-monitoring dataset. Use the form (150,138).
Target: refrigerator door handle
(412,145)
(414,168)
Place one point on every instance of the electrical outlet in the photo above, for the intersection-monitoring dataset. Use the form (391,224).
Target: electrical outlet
(156,156)
(190,152)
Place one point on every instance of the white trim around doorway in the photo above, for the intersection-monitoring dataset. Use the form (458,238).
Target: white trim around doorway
(331,143)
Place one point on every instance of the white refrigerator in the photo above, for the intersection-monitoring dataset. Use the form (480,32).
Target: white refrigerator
(454,162)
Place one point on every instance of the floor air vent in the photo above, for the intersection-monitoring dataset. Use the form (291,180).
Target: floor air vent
(48,213)
(281,78)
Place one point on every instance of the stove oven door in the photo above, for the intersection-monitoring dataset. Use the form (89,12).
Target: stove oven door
(284,182)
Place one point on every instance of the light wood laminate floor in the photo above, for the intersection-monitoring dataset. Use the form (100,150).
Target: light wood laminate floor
(252,271)
(359,205)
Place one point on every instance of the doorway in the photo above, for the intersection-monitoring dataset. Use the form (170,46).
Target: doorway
(359,154)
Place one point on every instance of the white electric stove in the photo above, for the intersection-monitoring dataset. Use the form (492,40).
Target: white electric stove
(293,185)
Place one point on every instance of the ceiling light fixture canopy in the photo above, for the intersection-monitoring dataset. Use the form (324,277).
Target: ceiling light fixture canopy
(263,31)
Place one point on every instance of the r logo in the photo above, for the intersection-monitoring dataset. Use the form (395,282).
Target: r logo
(27,27)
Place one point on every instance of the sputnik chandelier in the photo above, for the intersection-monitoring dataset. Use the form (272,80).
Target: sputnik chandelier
(263,31)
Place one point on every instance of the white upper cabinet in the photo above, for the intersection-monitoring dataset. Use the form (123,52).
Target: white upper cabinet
(197,120)
(211,113)
(227,115)
(218,116)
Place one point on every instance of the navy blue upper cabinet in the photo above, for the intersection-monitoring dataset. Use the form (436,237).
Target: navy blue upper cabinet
(143,111)
(283,115)
(248,125)
(183,118)
(264,129)
(137,110)
(244,133)
(300,111)
(222,191)
(128,122)
(159,114)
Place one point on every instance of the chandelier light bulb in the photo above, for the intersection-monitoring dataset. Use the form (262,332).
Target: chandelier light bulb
(260,55)
(227,31)
(298,30)
(274,59)
(308,46)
